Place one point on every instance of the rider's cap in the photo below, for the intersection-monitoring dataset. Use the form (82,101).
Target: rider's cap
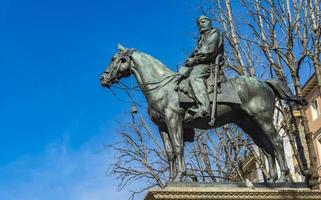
(202,17)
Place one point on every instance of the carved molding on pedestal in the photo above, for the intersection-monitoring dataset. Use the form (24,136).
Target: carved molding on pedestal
(209,193)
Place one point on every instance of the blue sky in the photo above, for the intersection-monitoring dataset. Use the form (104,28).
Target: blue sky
(55,117)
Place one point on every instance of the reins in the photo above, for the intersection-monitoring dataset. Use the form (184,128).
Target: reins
(127,56)
(158,82)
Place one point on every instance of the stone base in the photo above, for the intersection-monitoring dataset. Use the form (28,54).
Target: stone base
(230,192)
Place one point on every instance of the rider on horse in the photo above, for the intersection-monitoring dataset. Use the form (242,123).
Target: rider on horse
(198,66)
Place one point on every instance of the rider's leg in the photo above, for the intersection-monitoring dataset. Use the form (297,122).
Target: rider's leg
(197,82)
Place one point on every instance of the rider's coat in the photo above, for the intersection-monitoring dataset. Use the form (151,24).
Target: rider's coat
(209,45)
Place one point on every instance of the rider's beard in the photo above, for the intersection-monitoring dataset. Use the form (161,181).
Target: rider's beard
(204,29)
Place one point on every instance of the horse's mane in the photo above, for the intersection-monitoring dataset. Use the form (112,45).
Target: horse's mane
(154,61)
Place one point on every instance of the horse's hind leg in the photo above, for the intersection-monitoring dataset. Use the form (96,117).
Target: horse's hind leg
(272,167)
(279,148)
(169,153)
(277,143)
(262,140)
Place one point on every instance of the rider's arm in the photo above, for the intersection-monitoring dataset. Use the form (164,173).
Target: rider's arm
(209,48)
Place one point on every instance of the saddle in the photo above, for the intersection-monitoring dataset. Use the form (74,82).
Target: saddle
(227,92)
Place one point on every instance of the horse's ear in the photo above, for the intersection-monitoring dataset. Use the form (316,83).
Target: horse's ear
(121,48)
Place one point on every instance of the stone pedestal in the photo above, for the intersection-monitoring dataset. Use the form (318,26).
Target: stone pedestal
(231,192)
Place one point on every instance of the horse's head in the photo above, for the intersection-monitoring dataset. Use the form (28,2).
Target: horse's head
(119,67)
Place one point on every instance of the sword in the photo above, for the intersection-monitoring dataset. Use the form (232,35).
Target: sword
(215,71)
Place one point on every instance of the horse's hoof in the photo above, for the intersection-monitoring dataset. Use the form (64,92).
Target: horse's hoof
(283,179)
(177,179)
(275,179)
(174,179)
(270,180)
(289,179)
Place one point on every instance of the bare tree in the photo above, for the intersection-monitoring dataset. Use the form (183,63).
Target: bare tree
(216,155)
(287,34)
(233,147)
(269,39)
(140,157)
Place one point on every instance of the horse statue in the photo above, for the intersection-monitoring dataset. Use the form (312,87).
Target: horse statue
(253,113)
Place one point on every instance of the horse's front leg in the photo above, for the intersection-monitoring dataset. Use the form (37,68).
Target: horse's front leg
(169,154)
(173,121)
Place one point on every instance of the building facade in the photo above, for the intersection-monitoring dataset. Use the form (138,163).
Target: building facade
(313,113)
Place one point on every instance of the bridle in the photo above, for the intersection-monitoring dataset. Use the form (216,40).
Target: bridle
(127,56)
(113,73)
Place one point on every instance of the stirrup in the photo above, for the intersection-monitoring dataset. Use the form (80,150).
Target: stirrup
(201,114)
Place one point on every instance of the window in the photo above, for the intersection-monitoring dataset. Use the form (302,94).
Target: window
(315,109)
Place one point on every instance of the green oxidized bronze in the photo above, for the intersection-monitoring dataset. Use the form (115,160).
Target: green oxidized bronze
(178,109)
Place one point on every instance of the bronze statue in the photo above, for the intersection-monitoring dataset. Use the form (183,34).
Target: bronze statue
(197,66)
(245,101)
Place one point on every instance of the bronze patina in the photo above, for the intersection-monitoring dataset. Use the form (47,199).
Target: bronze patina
(197,66)
(252,111)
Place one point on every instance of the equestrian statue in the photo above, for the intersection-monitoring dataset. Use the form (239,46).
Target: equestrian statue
(199,96)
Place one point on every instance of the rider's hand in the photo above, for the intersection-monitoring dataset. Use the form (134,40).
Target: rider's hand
(179,78)
(189,62)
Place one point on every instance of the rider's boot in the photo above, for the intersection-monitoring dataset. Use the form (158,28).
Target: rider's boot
(202,100)
(200,113)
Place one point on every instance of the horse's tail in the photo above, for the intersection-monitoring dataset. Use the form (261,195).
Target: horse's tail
(282,91)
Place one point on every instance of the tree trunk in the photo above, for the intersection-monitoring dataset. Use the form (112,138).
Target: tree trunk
(312,177)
